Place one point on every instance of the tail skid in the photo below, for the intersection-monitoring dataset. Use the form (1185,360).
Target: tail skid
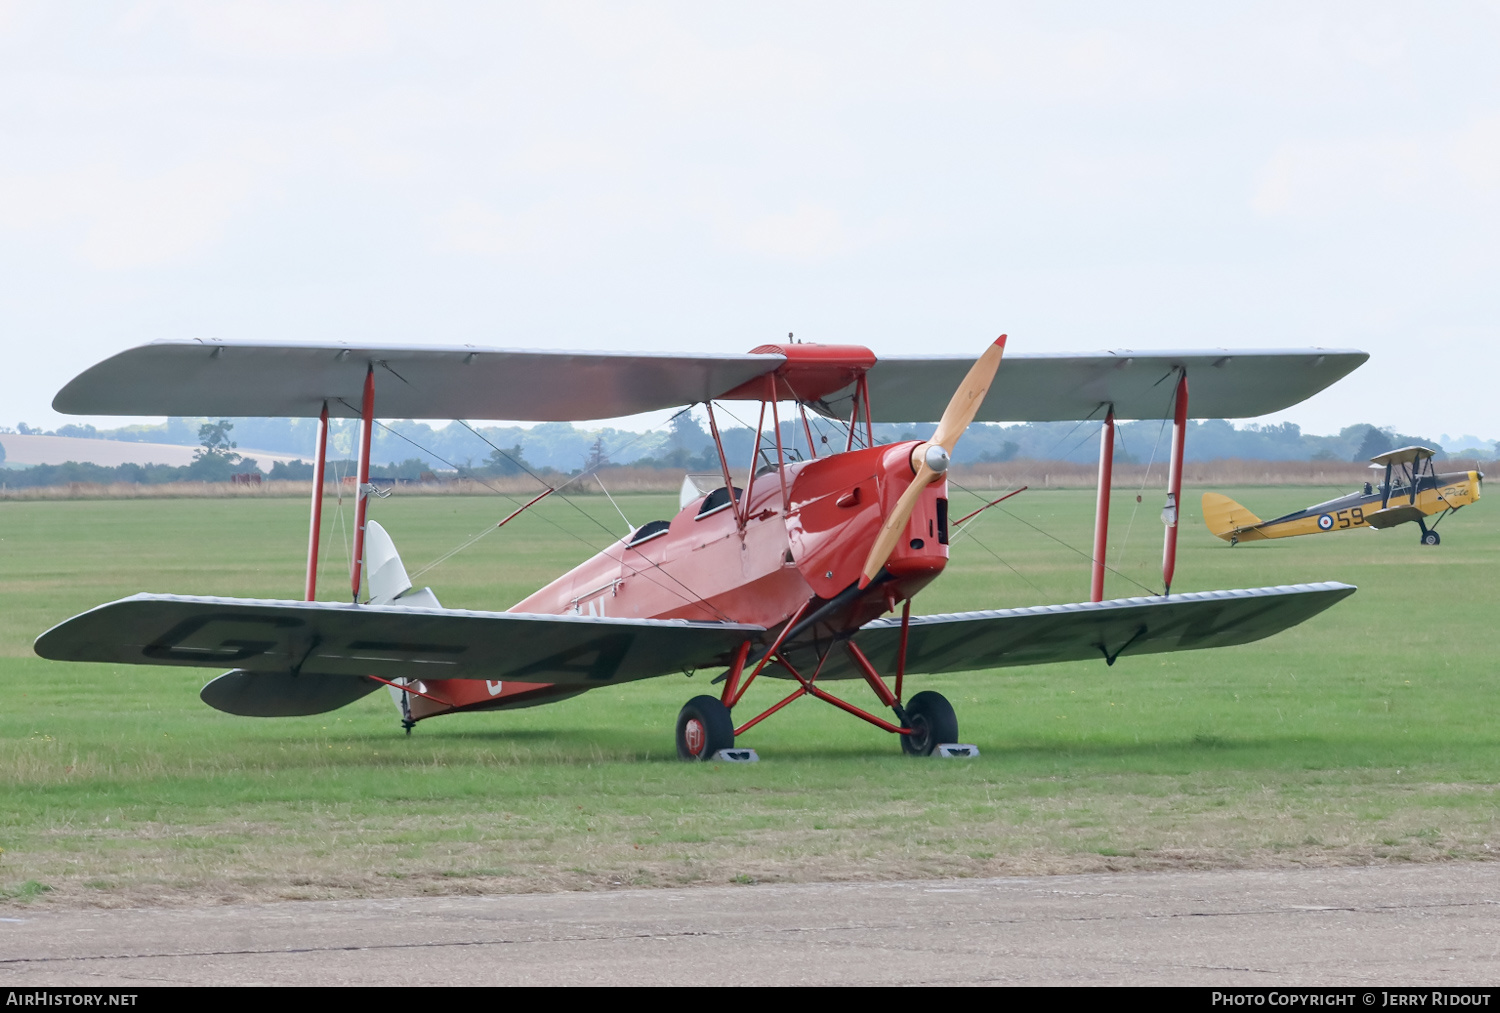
(390,585)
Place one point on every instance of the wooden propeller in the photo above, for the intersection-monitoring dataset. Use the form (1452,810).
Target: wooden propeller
(930,460)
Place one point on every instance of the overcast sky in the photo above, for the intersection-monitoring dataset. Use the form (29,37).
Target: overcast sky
(916,177)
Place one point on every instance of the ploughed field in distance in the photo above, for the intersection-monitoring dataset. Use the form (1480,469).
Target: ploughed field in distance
(1365,735)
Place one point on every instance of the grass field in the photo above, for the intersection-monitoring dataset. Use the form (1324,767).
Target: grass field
(1369,734)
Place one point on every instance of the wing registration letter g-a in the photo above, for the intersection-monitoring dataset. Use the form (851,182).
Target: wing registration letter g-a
(337,639)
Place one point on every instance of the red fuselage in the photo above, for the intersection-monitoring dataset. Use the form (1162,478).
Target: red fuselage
(802,533)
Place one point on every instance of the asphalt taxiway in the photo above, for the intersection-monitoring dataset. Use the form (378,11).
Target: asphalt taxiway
(1430,925)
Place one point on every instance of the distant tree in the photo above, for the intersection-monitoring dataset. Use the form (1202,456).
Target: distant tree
(86,432)
(215,460)
(1008,450)
(1376,441)
(291,470)
(26,430)
(214,437)
(597,457)
(687,433)
(506,462)
(410,470)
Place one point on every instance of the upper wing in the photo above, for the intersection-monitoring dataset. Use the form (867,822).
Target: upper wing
(294,381)
(288,380)
(330,638)
(1404,455)
(1222,384)
(970,641)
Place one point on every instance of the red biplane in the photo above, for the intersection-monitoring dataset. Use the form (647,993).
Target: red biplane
(791,569)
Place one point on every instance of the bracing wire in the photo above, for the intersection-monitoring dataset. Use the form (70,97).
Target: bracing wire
(690,594)
(761,440)
(629,527)
(1145,477)
(1007,563)
(338,512)
(1059,541)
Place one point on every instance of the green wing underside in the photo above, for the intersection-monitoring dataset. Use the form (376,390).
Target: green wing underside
(335,639)
(1098,631)
(332,639)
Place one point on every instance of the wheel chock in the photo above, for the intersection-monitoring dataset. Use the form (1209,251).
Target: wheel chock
(737,756)
(956,751)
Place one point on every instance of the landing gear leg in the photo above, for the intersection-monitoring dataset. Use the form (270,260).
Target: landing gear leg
(932,722)
(1429,535)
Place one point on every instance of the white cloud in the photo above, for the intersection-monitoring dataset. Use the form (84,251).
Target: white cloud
(806,233)
(1322,178)
(1476,152)
(649,172)
(281,29)
(116,221)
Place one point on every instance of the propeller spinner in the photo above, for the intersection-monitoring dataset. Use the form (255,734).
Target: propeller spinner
(930,460)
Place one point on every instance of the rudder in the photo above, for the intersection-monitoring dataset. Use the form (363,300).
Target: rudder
(1224,516)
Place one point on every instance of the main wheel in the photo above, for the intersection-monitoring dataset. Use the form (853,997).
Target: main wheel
(703,728)
(932,721)
(1431,538)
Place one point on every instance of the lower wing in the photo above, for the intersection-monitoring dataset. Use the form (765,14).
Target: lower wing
(971,641)
(1391,516)
(388,641)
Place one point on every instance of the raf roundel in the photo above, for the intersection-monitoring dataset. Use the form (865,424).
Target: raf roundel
(1325,522)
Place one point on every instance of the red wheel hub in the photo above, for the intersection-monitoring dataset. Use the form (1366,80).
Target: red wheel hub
(695,736)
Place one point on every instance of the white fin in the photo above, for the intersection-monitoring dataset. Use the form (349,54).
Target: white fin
(389,585)
(423,599)
(387,576)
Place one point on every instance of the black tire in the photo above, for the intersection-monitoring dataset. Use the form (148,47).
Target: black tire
(703,728)
(932,721)
(1431,538)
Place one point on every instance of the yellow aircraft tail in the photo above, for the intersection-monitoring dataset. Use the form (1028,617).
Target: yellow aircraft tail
(1224,516)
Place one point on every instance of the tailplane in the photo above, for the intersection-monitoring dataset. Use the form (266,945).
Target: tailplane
(1226,518)
(290,694)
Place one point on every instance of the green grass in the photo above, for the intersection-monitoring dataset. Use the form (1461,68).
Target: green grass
(1368,734)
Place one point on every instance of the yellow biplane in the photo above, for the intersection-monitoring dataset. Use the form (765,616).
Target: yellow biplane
(1411,491)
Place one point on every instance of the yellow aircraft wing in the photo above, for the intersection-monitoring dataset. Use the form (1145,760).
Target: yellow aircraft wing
(1391,516)
(1405,455)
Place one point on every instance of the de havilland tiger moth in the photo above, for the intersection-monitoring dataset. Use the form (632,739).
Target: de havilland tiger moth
(1410,492)
(803,570)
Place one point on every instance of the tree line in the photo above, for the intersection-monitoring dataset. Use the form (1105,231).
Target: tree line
(413,451)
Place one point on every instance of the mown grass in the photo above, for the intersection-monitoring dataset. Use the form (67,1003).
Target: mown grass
(1368,734)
